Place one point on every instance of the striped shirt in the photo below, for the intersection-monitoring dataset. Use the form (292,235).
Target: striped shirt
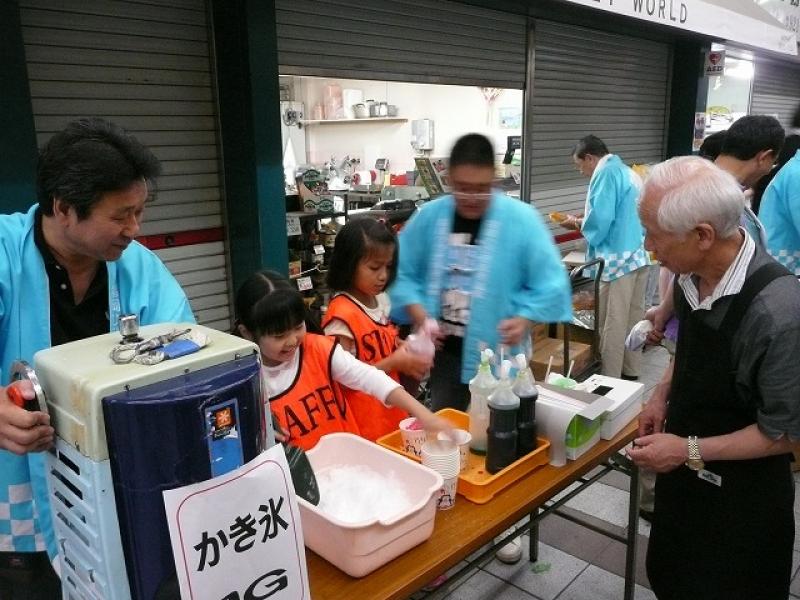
(730,284)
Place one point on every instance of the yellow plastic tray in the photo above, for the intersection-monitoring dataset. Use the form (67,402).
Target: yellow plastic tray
(476,483)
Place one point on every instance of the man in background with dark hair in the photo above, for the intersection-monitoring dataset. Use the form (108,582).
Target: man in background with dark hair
(712,145)
(750,148)
(484,265)
(69,267)
(610,224)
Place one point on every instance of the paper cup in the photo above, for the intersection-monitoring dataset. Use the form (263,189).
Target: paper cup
(412,438)
(462,439)
(447,493)
(441,456)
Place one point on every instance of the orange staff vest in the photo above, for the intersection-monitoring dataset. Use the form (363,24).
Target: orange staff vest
(374,342)
(314,404)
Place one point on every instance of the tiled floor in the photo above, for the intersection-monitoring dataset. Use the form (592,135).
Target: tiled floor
(574,562)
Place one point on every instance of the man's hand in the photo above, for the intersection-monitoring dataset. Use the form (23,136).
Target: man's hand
(571,222)
(23,431)
(654,413)
(413,365)
(417,314)
(656,315)
(660,452)
(513,330)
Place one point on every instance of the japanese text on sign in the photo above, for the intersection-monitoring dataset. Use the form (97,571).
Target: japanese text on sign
(238,536)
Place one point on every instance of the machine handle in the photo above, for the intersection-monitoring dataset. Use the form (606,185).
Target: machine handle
(15,395)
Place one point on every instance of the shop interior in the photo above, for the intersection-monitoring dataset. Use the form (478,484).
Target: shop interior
(729,94)
(378,148)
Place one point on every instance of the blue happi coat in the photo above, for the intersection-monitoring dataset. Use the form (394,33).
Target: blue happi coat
(138,283)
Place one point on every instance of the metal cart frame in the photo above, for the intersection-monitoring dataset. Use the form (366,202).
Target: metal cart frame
(576,282)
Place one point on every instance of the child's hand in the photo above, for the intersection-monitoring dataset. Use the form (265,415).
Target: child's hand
(281,435)
(432,422)
(413,365)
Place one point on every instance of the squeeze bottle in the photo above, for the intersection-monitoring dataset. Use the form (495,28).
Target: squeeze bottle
(480,387)
(525,388)
(501,439)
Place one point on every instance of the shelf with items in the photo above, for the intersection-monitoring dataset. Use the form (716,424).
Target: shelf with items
(304,214)
(310,122)
(310,237)
(585,283)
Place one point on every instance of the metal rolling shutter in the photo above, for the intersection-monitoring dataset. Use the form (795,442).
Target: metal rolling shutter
(776,90)
(591,82)
(426,41)
(147,67)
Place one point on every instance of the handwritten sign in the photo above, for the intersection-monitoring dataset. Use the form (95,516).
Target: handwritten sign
(238,536)
(293,225)
(304,284)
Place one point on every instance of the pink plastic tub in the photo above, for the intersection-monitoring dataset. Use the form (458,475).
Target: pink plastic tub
(360,548)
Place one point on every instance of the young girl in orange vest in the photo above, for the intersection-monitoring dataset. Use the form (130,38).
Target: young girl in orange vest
(363,265)
(303,370)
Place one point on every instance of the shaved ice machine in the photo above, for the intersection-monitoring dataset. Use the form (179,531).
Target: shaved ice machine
(127,432)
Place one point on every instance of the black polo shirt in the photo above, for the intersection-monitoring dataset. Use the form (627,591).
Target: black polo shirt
(70,321)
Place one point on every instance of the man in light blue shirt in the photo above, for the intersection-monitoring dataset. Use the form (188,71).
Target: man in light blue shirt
(613,232)
(780,215)
(68,268)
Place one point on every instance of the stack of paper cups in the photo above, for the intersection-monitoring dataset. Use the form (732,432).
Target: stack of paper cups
(443,457)
(462,438)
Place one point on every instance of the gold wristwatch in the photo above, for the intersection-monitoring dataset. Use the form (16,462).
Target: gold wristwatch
(695,461)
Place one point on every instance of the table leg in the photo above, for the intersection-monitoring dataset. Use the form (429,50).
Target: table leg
(633,533)
(533,537)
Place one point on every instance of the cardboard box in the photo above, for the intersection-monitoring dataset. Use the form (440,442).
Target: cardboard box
(538,332)
(547,347)
(576,333)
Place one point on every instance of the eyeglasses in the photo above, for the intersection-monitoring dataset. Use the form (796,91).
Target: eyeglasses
(472,195)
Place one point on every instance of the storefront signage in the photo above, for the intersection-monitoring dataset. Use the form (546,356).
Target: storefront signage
(715,63)
(706,18)
(786,11)
(238,536)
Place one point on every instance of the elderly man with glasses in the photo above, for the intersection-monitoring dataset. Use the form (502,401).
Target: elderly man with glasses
(719,427)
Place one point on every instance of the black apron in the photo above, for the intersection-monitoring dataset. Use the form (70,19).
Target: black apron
(728,542)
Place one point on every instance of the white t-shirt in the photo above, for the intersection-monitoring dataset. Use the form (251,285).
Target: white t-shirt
(345,369)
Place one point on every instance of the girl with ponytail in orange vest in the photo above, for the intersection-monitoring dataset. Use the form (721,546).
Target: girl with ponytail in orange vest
(303,370)
(363,265)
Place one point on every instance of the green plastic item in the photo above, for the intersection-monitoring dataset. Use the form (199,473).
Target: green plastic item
(303,477)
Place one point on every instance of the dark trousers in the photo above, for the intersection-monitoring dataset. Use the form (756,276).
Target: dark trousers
(28,576)
(447,391)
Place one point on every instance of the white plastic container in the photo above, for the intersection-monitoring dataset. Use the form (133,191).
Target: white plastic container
(626,397)
(360,548)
